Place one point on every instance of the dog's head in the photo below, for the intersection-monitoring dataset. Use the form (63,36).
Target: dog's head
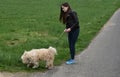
(53,50)
(25,57)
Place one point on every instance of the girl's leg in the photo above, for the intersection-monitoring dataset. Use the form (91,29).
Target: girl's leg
(72,38)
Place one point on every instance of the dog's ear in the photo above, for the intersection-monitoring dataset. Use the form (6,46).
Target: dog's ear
(25,51)
(21,57)
(50,47)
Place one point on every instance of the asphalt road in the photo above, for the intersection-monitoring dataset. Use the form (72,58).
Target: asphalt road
(100,59)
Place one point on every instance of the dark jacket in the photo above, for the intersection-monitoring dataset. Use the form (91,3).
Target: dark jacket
(72,21)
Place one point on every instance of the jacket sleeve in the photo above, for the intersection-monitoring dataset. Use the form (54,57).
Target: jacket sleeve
(75,20)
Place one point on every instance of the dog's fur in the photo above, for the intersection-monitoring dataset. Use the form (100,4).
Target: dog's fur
(32,57)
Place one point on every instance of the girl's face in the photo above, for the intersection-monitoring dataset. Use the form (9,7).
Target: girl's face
(64,8)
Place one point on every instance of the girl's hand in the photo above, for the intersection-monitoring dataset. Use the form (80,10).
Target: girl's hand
(67,30)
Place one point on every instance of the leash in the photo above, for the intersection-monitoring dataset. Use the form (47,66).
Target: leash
(59,37)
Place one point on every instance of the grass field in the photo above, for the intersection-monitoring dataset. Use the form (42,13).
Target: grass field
(25,25)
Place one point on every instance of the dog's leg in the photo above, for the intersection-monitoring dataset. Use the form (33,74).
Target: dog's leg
(46,64)
(36,65)
(49,64)
(28,65)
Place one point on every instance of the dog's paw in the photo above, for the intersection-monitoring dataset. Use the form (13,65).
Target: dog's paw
(49,68)
(30,65)
(35,67)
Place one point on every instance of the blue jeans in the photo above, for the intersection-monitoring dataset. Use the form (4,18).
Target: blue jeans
(72,38)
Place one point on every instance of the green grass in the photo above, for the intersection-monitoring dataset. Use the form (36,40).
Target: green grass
(25,25)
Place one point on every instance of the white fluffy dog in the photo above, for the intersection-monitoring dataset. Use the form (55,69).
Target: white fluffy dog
(32,57)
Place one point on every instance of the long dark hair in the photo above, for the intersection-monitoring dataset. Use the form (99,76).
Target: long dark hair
(63,14)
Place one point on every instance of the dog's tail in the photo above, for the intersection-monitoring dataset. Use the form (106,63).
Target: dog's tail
(53,50)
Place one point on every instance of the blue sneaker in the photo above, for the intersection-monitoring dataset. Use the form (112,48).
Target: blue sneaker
(71,61)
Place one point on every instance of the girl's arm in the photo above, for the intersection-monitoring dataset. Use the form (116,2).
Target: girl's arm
(75,19)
